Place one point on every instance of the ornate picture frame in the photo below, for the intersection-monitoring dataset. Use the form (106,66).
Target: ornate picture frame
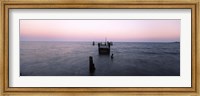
(4,46)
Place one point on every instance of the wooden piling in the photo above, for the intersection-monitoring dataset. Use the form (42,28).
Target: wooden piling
(91,65)
(93,43)
(112,56)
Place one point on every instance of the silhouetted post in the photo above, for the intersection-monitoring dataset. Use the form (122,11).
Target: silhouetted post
(91,65)
(98,44)
(112,56)
(99,47)
(109,44)
(93,43)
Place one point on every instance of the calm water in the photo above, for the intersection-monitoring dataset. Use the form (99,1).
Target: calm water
(72,59)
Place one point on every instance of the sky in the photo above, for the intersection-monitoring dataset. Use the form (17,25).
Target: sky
(98,30)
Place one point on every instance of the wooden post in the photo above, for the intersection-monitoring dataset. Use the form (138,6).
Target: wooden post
(91,65)
(93,43)
(112,56)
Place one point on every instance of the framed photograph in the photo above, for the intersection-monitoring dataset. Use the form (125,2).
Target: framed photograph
(100,47)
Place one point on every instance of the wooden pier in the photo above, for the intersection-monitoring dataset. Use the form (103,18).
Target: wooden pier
(104,48)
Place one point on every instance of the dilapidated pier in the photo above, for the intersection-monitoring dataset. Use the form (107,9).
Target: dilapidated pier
(104,48)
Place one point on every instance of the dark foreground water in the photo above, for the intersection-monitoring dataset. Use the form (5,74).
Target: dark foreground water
(72,59)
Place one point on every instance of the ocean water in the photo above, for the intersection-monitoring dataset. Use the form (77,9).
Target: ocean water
(40,58)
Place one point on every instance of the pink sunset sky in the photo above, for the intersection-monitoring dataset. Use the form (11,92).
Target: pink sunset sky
(98,30)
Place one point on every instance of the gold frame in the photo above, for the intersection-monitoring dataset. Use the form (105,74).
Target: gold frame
(6,5)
